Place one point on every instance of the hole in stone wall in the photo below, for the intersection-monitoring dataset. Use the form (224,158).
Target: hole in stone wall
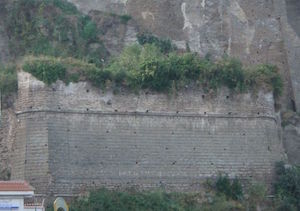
(147,111)
(177,112)
(203,96)
(136,162)
(258,113)
(87,90)
(107,131)
(194,148)
(59,108)
(205,113)
(229,113)
(134,132)
(116,110)
(53,89)
(87,109)
(227,97)
(167,148)
(174,162)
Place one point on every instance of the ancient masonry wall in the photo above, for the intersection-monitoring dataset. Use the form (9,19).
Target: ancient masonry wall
(74,137)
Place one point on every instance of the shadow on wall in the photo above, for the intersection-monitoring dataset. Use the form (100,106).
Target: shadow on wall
(293,12)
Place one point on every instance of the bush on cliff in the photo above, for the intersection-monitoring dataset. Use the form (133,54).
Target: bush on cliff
(287,187)
(165,45)
(8,79)
(52,27)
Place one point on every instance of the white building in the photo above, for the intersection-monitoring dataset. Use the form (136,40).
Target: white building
(13,194)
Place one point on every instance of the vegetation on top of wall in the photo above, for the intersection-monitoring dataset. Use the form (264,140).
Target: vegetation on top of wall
(50,69)
(8,79)
(47,70)
(52,27)
(146,67)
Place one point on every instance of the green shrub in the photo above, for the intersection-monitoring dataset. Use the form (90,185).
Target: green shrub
(64,5)
(266,74)
(232,73)
(8,79)
(46,70)
(232,189)
(50,69)
(125,18)
(89,29)
(220,203)
(165,45)
(51,27)
(287,186)
(131,201)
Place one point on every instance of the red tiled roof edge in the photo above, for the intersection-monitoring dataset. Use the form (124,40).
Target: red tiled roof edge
(15,186)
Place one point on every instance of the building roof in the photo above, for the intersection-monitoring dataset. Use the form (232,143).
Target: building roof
(15,186)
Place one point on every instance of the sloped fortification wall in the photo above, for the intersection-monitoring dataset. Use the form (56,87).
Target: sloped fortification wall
(74,137)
